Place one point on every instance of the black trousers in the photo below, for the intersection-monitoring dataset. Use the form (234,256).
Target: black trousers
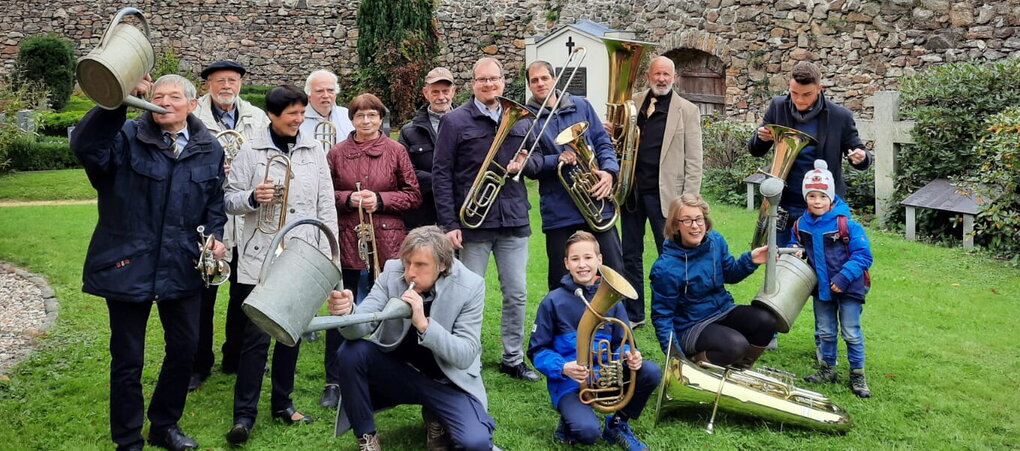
(728,339)
(252,367)
(234,330)
(556,240)
(331,360)
(128,320)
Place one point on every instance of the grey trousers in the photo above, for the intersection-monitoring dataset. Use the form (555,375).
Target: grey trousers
(511,254)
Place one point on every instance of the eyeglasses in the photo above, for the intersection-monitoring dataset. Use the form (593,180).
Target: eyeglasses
(225,80)
(370,115)
(687,222)
(487,80)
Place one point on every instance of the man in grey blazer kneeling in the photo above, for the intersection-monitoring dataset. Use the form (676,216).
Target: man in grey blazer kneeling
(431,359)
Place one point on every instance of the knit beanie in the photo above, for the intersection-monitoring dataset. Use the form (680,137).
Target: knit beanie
(819,179)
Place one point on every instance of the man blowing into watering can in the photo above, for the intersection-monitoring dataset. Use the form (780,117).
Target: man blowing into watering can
(158,178)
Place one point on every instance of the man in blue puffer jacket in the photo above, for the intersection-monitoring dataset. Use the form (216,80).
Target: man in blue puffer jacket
(838,250)
(553,351)
(158,178)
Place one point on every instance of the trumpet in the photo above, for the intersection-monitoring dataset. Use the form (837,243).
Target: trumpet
(231,141)
(214,271)
(325,133)
(491,175)
(581,177)
(367,248)
(273,215)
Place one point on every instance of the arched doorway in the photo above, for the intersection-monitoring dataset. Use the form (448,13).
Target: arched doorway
(701,78)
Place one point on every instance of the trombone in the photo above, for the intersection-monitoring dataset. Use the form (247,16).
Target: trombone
(491,175)
(273,215)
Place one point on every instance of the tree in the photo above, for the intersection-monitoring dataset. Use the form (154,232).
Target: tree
(48,59)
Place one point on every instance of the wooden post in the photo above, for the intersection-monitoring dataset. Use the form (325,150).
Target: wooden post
(888,132)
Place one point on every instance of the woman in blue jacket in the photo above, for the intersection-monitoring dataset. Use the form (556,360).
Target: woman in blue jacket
(689,300)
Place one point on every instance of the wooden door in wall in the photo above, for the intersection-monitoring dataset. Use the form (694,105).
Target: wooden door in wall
(701,79)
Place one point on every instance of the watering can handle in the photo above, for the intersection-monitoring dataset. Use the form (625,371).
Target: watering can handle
(117,18)
(334,247)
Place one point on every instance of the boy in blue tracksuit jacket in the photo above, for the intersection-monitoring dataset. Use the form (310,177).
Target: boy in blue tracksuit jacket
(553,351)
(838,250)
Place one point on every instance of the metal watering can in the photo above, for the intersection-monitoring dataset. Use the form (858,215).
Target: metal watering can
(293,285)
(110,72)
(788,279)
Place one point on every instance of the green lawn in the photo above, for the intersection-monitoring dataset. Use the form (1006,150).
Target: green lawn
(941,327)
(68,184)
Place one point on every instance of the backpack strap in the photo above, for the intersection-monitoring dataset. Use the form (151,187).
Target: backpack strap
(843,232)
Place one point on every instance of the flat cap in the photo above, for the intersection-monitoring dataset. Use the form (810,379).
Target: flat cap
(439,74)
(223,65)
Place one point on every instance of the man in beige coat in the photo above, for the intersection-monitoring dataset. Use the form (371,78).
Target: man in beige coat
(669,163)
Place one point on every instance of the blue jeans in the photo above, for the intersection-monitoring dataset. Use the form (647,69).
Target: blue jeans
(633,215)
(848,314)
(511,254)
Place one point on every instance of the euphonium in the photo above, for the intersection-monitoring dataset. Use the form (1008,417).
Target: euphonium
(367,248)
(214,271)
(231,141)
(581,177)
(491,175)
(624,61)
(787,143)
(606,388)
(767,393)
(273,215)
(325,133)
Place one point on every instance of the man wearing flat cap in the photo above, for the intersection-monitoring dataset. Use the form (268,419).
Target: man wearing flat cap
(419,137)
(222,108)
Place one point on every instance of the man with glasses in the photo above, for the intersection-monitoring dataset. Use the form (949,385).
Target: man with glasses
(322,88)
(222,108)
(465,135)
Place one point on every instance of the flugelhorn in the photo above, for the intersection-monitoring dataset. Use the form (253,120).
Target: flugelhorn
(273,215)
(581,177)
(624,61)
(368,250)
(231,141)
(787,144)
(325,133)
(606,389)
(491,175)
(214,271)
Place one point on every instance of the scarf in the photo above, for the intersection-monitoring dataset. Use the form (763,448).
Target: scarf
(811,113)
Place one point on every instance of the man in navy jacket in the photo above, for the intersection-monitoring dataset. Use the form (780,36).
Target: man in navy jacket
(158,178)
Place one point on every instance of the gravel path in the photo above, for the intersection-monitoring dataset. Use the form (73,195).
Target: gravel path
(27,309)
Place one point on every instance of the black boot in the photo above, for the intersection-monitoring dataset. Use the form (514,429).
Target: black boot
(859,383)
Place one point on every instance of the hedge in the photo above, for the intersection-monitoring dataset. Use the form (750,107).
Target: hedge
(46,153)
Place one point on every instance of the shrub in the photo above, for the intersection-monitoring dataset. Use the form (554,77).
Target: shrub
(13,98)
(860,190)
(950,104)
(55,124)
(726,160)
(998,224)
(168,63)
(258,100)
(48,59)
(45,153)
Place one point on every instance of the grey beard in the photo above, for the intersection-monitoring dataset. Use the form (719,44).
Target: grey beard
(661,92)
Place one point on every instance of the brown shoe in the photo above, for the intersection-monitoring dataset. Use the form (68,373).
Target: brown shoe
(436,437)
(369,442)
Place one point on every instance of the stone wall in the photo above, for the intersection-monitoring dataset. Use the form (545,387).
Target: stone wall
(862,46)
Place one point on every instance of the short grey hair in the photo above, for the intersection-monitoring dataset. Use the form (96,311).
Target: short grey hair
(433,238)
(320,73)
(672,64)
(172,79)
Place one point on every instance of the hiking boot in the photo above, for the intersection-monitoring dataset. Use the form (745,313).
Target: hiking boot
(562,435)
(436,438)
(859,383)
(825,373)
(619,432)
(369,442)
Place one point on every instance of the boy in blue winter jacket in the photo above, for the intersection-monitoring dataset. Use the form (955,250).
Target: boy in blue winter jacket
(553,351)
(838,249)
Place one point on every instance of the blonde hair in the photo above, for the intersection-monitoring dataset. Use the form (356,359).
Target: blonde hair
(685,200)
(578,237)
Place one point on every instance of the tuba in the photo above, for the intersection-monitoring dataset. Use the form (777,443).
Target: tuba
(624,60)
(787,143)
(214,271)
(606,388)
(581,177)
(231,141)
(491,175)
(273,216)
(367,248)
(325,133)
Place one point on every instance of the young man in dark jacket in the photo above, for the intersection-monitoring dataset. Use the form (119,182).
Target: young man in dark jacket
(419,137)
(158,179)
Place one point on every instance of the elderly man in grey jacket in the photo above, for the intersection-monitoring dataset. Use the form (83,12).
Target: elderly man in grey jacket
(432,358)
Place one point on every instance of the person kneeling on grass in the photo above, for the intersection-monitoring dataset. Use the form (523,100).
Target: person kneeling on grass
(838,250)
(553,351)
